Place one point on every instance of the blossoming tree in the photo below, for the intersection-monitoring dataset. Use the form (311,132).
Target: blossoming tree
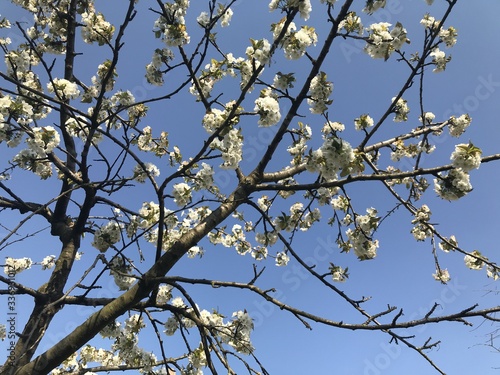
(119,200)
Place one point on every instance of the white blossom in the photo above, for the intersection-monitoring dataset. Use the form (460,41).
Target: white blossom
(48,262)
(339,274)
(401,110)
(373,6)
(195,251)
(31,160)
(428,118)
(363,122)
(296,42)
(107,235)
(267,107)
(63,88)
(466,157)
(231,148)
(320,91)
(282,259)
(142,172)
(448,36)
(182,194)
(452,186)
(121,273)
(259,50)
(332,126)
(44,140)
(203,19)
(259,252)
(474,261)
(442,275)
(450,246)
(382,42)
(439,59)
(351,23)
(422,228)
(96,28)
(225,18)
(204,178)
(15,266)
(458,125)
(283,81)
(429,22)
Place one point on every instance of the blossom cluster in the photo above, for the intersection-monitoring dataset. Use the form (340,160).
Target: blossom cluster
(107,235)
(442,275)
(339,274)
(295,43)
(400,109)
(104,74)
(80,127)
(215,118)
(154,74)
(236,238)
(474,260)
(334,155)
(144,171)
(213,72)
(267,107)
(422,229)
(120,101)
(19,62)
(148,218)
(352,23)
(382,41)
(182,194)
(456,183)
(363,122)
(121,272)
(231,147)
(439,59)
(360,238)
(457,126)
(171,27)
(13,265)
(447,36)
(453,185)
(283,81)
(63,88)
(260,50)
(8,108)
(412,150)
(466,157)
(299,145)
(124,350)
(374,5)
(147,143)
(41,142)
(298,218)
(235,333)
(95,27)
(204,178)
(304,6)
(48,262)
(319,93)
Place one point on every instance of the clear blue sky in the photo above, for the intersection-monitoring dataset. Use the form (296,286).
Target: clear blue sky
(401,273)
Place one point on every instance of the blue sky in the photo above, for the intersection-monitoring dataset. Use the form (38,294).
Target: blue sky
(401,273)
